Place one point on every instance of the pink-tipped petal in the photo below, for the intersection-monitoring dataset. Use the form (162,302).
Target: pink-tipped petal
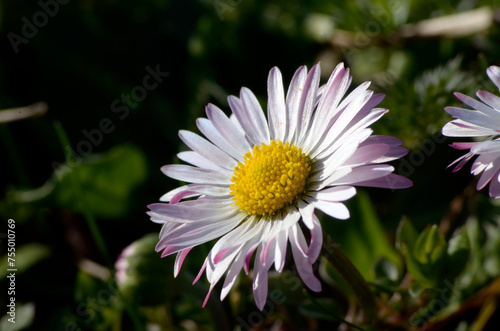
(494,74)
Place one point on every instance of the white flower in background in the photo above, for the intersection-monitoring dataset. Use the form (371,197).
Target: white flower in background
(484,122)
(258,181)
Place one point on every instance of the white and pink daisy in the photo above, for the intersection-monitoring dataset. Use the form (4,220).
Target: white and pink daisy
(257,182)
(483,121)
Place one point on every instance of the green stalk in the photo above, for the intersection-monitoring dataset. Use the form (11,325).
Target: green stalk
(94,229)
(351,276)
(89,217)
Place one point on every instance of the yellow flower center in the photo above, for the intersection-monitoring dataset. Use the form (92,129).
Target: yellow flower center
(272,177)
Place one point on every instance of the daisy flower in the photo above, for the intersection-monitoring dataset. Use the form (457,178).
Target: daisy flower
(484,122)
(255,183)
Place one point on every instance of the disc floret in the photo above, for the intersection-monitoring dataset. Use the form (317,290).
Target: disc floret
(271,178)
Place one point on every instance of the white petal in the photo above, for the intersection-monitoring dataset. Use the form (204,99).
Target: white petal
(336,193)
(306,105)
(227,129)
(392,154)
(495,186)
(179,259)
(234,270)
(333,92)
(477,105)
(196,233)
(196,175)
(332,141)
(494,74)
(243,233)
(350,112)
(306,211)
(473,117)
(207,128)
(199,189)
(316,241)
(338,158)
(486,147)
(255,115)
(243,120)
(381,139)
(207,150)
(335,89)
(280,255)
(276,108)
(487,175)
(293,97)
(337,173)
(169,250)
(199,161)
(224,264)
(391,181)
(291,218)
(334,209)
(365,173)
(298,240)
(491,100)
(459,128)
(304,268)
(181,212)
(260,279)
(482,162)
(367,154)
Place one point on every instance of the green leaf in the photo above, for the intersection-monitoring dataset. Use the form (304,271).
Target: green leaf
(101,183)
(26,256)
(106,182)
(428,247)
(458,254)
(429,258)
(406,234)
(406,239)
(23,317)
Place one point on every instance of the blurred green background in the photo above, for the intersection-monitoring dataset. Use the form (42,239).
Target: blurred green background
(78,178)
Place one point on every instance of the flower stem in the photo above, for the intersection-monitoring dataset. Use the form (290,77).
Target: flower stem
(89,217)
(351,276)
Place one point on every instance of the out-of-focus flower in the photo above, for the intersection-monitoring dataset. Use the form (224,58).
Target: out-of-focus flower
(140,277)
(256,179)
(484,122)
